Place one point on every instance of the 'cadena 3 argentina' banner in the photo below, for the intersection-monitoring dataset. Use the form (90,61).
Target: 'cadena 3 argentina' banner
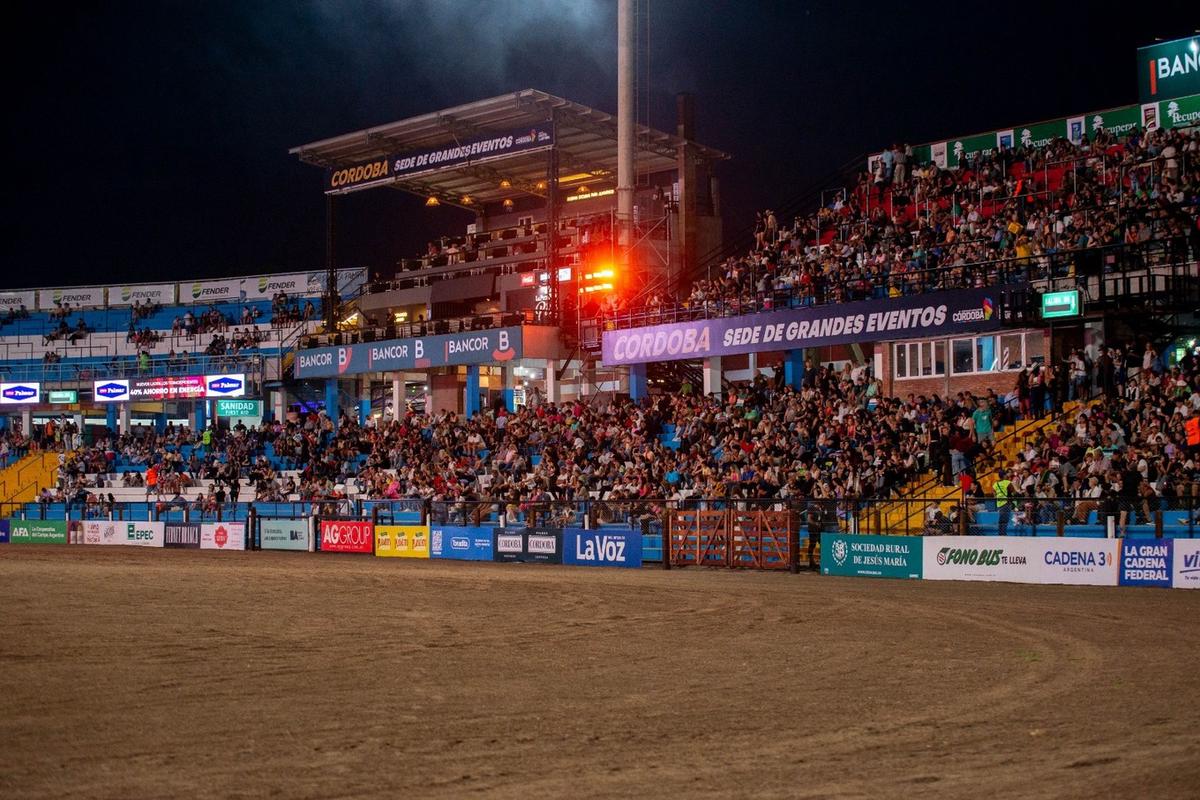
(431,159)
(495,346)
(915,316)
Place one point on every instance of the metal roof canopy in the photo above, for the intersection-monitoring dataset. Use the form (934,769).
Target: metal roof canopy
(586,141)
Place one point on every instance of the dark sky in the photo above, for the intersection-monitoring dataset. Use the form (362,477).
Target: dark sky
(149,140)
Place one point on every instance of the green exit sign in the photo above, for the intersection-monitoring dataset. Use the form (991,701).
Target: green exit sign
(64,397)
(239,408)
(1060,304)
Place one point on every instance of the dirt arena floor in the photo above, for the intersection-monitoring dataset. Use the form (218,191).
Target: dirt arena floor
(130,673)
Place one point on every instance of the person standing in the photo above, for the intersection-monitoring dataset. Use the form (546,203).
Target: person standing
(1002,491)
(982,419)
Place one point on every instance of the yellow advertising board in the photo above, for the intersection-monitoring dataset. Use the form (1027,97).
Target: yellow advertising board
(402,541)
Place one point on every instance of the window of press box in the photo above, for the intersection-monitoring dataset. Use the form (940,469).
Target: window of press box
(1005,352)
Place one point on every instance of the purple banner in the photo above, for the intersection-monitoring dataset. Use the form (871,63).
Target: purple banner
(911,317)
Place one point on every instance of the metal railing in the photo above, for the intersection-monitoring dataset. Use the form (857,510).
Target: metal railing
(1116,270)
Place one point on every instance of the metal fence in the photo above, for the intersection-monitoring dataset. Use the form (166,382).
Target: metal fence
(1177,515)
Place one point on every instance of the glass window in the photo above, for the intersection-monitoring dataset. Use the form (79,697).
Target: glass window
(926,350)
(939,358)
(901,361)
(1035,351)
(985,354)
(1011,355)
(963,353)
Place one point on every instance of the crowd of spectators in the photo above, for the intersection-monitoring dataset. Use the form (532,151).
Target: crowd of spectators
(1013,214)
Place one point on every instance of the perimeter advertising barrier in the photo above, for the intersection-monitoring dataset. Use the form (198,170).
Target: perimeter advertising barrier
(37,531)
(284,534)
(531,545)
(1165,563)
(346,536)
(461,543)
(871,556)
(402,541)
(1017,559)
(136,534)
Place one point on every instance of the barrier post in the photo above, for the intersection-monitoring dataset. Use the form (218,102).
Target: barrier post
(1060,521)
(793,535)
(252,542)
(1110,526)
(1158,524)
(666,538)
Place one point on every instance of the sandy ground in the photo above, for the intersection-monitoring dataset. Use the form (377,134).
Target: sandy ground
(130,673)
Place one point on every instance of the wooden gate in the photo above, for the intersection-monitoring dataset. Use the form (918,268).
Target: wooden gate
(735,539)
(760,539)
(699,538)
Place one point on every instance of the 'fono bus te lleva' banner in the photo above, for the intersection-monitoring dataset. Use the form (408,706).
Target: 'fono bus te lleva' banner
(916,316)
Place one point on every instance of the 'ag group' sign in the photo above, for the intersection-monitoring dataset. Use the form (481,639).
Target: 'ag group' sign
(347,536)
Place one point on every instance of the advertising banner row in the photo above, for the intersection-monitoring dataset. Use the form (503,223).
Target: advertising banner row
(574,546)
(168,387)
(451,349)
(1166,563)
(1179,112)
(202,536)
(222,290)
(934,314)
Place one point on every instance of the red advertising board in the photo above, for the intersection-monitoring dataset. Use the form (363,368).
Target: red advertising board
(172,387)
(347,536)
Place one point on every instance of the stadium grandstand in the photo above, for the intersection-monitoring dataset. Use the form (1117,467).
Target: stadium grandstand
(973,359)
(441,385)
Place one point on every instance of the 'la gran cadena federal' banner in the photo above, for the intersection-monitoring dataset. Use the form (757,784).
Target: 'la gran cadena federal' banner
(402,541)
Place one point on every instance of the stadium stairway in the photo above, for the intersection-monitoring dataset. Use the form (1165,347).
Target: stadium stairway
(905,514)
(20,482)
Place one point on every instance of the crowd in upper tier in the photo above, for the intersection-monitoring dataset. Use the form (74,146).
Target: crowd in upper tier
(1011,214)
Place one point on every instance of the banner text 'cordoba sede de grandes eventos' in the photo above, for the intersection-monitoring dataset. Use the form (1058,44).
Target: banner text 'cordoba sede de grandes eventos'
(430,159)
(934,314)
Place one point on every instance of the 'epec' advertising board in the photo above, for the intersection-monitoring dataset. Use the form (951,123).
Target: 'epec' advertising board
(346,536)
(469,347)
(461,543)
(1146,562)
(402,541)
(1185,567)
(282,534)
(136,534)
(871,556)
(1092,562)
(223,536)
(933,314)
(532,545)
(37,531)
(602,548)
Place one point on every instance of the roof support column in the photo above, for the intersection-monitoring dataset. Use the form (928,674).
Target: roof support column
(625,131)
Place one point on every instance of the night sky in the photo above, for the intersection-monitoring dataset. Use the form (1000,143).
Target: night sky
(149,141)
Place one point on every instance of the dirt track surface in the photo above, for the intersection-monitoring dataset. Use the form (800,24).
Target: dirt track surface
(132,673)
